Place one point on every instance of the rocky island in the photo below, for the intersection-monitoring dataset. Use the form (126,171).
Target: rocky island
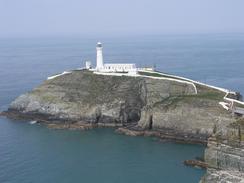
(150,104)
(147,103)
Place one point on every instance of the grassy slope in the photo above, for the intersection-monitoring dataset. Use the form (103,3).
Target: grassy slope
(203,91)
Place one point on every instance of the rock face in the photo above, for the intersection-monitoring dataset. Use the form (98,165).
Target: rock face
(190,114)
(82,95)
(222,176)
(225,154)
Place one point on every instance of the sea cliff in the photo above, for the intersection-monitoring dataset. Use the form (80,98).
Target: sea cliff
(147,104)
(225,154)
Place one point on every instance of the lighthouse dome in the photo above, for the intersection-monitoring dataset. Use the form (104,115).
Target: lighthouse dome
(99,44)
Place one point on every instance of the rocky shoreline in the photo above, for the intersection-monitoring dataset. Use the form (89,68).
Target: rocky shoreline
(131,129)
(164,134)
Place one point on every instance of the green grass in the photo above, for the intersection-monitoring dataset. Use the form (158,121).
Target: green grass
(211,95)
(173,100)
(238,105)
(160,75)
(240,121)
(203,91)
(237,123)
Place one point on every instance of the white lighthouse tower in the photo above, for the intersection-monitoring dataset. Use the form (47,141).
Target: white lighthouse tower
(99,57)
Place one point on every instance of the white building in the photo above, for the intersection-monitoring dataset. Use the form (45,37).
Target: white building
(88,65)
(101,67)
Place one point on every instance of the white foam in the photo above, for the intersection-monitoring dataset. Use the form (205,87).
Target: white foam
(33,122)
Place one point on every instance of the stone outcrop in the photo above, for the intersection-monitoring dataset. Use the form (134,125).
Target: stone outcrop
(155,103)
(222,176)
(225,154)
(84,96)
(193,115)
(165,108)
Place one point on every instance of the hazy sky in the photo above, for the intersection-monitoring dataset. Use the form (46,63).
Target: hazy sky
(115,17)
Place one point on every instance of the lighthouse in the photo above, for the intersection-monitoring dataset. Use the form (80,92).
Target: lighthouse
(111,67)
(99,57)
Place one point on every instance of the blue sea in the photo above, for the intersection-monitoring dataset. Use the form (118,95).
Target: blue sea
(33,153)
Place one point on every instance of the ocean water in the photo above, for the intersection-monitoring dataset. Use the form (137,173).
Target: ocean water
(33,153)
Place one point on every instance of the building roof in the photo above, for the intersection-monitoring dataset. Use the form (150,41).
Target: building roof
(113,64)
